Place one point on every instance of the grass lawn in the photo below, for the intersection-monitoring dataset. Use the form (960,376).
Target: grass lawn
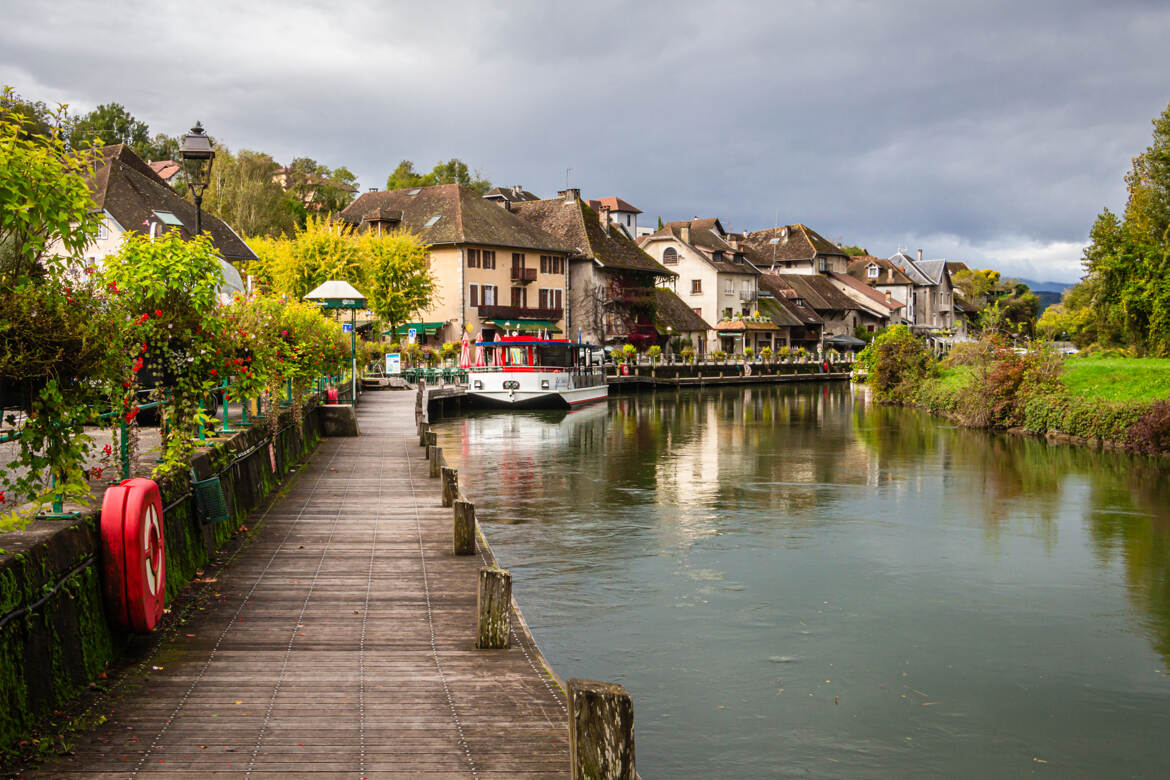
(1118,379)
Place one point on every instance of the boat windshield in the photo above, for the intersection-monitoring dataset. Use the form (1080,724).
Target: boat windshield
(554,355)
(517,356)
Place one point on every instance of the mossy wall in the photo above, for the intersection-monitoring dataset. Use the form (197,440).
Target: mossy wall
(55,637)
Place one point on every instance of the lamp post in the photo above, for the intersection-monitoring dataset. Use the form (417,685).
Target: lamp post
(336,294)
(197,156)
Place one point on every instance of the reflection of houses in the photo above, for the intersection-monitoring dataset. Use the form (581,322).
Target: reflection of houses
(133,198)
(716,280)
(611,281)
(493,270)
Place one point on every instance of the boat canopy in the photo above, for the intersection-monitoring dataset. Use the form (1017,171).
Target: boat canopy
(526,326)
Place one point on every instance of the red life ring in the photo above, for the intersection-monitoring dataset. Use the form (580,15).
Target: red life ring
(133,554)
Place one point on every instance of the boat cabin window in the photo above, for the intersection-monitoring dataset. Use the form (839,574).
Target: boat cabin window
(554,355)
(517,356)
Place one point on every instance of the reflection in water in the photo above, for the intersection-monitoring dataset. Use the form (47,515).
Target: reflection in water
(793,581)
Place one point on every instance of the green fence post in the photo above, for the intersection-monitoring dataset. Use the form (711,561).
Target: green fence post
(224,398)
(202,433)
(124,448)
(58,499)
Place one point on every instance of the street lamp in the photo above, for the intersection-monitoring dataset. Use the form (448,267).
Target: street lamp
(197,156)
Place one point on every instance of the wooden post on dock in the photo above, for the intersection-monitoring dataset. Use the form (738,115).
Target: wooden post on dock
(423,428)
(436,461)
(463,533)
(431,439)
(493,604)
(601,731)
(450,478)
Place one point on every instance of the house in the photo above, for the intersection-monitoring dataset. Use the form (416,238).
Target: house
(881,275)
(167,170)
(840,314)
(675,320)
(611,280)
(494,271)
(309,185)
(505,195)
(794,249)
(622,214)
(934,300)
(716,280)
(134,198)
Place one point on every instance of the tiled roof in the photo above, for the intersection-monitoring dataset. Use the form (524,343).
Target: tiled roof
(888,273)
(906,264)
(614,204)
(127,188)
(165,168)
(817,290)
(511,194)
(578,225)
(782,309)
(673,311)
(788,242)
(879,299)
(707,238)
(933,270)
(453,214)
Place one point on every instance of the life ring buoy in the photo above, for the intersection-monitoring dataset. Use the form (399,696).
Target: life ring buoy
(133,554)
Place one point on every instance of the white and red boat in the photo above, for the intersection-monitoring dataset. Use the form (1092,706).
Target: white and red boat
(527,371)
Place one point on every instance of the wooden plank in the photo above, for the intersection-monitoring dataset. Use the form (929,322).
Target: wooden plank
(340,642)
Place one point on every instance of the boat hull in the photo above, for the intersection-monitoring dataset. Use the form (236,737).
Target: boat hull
(539,399)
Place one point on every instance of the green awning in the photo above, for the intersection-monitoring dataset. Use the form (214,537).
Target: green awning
(526,326)
(421,328)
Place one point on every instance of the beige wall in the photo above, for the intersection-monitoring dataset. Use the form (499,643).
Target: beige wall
(453,280)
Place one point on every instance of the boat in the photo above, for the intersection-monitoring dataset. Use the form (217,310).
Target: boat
(528,372)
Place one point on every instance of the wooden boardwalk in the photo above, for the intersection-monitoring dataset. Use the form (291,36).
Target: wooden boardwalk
(340,644)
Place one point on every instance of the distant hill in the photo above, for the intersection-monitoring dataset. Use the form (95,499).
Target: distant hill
(1046,297)
(1048,287)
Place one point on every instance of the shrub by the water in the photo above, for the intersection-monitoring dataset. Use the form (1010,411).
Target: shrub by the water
(1151,432)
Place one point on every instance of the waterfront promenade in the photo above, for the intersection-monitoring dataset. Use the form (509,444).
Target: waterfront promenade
(338,643)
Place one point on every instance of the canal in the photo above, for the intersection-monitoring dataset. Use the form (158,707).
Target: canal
(792,582)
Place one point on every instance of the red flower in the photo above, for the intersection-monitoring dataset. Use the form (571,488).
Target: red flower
(3,500)
(158,312)
(213,372)
(107,450)
(130,415)
(95,472)
(144,348)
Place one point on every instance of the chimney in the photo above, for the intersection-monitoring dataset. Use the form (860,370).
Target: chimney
(373,189)
(920,255)
(570,195)
(890,274)
(889,298)
(733,241)
(686,233)
(603,218)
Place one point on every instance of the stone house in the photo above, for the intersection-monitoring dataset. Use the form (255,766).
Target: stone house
(610,289)
(493,270)
(933,296)
(794,249)
(133,198)
(623,214)
(675,320)
(885,277)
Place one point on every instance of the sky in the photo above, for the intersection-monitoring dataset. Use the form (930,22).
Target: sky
(988,132)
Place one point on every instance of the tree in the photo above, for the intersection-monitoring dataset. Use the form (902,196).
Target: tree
(35,118)
(1127,262)
(319,251)
(450,172)
(319,188)
(399,284)
(244,194)
(978,286)
(110,123)
(660,224)
(852,250)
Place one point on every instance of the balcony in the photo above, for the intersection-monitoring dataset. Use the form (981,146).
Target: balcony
(512,313)
(621,294)
(523,275)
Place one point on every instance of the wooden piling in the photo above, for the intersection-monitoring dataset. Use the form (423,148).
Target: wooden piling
(422,433)
(463,531)
(436,461)
(431,438)
(450,477)
(493,604)
(601,731)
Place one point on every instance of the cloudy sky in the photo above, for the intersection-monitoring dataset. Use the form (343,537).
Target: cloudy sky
(990,132)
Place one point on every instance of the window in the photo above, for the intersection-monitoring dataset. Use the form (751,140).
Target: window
(473,258)
(869,328)
(103,231)
(727,313)
(517,259)
(490,295)
(729,287)
(520,296)
(871,271)
(558,299)
(670,256)
(550,264)
(551,298)
(489,258)
(473,295)
(746,311)
(543,298)
(696,286)
(821,264)
(698,311)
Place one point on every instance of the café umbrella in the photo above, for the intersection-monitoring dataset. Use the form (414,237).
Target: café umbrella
(465,353)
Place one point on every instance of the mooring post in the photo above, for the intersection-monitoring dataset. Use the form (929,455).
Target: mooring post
(450,485)
(601,731)
(463,533)
(494,608)
(422,434)
(432,439)
(436,461)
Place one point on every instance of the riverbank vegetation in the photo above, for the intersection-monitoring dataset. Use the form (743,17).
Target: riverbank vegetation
(1123,402)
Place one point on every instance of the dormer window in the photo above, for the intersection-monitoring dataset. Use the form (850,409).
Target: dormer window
(871,271)
(717,255)
(821,264)
(738,257)
(670,256)
(798,301)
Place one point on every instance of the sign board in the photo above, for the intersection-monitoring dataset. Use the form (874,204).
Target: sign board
(412,335)
(393,363)
(347,327)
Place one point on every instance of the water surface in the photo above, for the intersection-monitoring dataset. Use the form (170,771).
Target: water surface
(792,582)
